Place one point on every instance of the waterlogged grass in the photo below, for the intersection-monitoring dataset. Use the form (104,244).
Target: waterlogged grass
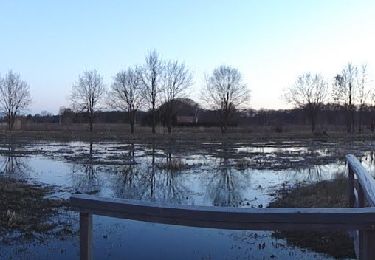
(174,164)
(190,134)
(26,213)
(325,194)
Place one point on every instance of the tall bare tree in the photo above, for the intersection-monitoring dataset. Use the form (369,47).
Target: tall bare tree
(151,76)
(126,93)
(177,78)
(309,93)
(363,93)
(14,96)
(344,91)
(225,91)
(87,94)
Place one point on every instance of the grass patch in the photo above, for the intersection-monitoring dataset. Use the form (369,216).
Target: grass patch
(242,164)
(325,194)
(26,214)
(174,164)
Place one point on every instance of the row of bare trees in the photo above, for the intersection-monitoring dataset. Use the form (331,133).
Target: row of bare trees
(149,85)
(158,82)
(350,89)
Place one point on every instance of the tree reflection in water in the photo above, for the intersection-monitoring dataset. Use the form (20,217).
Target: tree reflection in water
(84,175)
(226,184)
(147,180)
(12,163)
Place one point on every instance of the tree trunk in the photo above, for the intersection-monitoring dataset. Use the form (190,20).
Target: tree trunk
(352,119)
(153,120)
(351,110)
(347,118)
(169,121)
(132,127)
(91,121)
(224,125)
(153,117)
(360,120)
(313,115)
(313,124)
(10,125)
(131,120)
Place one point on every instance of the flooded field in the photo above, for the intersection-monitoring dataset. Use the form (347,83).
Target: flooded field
(211,174)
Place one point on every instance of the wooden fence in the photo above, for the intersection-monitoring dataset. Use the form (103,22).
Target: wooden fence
(358,220)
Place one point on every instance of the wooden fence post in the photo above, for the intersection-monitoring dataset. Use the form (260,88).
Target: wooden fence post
(366,244)
(361,196)
(85,236)
(350,186)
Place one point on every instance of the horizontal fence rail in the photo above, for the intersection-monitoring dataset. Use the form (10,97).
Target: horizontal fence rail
(360,221)
(229,218)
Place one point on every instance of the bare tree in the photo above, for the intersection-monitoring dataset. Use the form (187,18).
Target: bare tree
(14,96)
(126,93)
(309,93)
(225,91)
(363,93)
(344,92)
(176,80)
(87,94)
(150,77)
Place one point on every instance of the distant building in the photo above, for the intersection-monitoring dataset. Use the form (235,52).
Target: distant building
(186,120)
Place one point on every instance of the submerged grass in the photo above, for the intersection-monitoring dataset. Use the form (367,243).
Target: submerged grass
(324,194)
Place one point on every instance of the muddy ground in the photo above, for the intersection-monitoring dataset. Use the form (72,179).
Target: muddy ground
(28,214)
(325,194)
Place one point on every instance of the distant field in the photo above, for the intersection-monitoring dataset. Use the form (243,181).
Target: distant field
(142,133)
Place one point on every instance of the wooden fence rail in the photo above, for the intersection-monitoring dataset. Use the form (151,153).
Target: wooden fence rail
(360,220)
(361,193)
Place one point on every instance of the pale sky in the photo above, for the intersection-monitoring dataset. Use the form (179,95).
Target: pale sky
(51,42)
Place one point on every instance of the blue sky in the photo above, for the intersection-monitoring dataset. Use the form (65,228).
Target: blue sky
(51,42)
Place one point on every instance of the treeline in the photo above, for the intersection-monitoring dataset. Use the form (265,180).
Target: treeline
(348,92)
(157,91)
(331,116)
(153,86)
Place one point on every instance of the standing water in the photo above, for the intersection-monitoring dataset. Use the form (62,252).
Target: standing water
(210,174)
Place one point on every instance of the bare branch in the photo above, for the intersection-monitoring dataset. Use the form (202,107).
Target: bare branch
(225,92)
(126,93)
(309,93)
(14,96)
(87,93)
(176,79)
(150,78)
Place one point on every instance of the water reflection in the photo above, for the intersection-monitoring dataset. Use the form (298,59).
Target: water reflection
(150,178)
(12,163)
(84,176)
(226,184)
(166,174)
